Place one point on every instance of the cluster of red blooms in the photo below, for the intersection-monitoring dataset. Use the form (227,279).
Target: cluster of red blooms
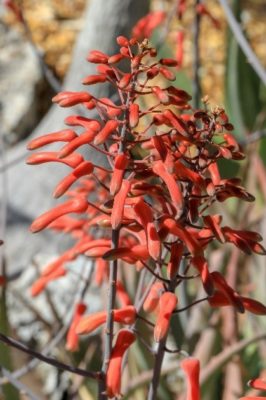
(153,193)
(156,19)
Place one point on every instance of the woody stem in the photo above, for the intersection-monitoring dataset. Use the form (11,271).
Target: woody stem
(110,321)
(152,395)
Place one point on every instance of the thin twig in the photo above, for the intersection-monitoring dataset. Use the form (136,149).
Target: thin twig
(34,362)
(242,41)
(220,359)
(110,320)
(206,372)
(19,385)
(157,369)
(253,137)
(178,310)
(48,360)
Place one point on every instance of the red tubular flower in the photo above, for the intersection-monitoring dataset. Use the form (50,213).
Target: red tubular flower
(121,163)
(89,244)
(122,41)
(77,205)
(65,135)
(213,222)
(184,173)
(180,36)
(218,299)
(257,384)
(85,138)
(175,259)
(43,281)
(101,271)
(133,115)
(97,57)
(245,240)
(167,304)
(88,324)
(138,252)
(86,123)
(122,295)
(72,339)
(145,216)
(84,168)
(60,261)
(146,25)
(215,174)
(172,185)
(104,134)
(191,368)
(51,156)
(177,123)
(152,300)
(161,95)
(173,227)
(253,306)
(160,146)
(201,264)
(169,75)
(69,99)
(92,79)
(125,338)
(119,203)
(221,284)
(125,81)
(169,62)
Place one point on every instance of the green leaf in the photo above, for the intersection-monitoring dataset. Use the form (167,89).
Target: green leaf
(243,95)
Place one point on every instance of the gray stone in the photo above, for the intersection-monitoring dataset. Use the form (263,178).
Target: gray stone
(20,76)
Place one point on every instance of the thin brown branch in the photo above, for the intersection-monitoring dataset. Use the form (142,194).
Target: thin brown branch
(220,359)
(48,360)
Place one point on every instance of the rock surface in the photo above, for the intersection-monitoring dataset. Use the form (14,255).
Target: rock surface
(20,77)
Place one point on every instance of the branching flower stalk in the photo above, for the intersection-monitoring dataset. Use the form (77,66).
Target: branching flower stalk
(150,208)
